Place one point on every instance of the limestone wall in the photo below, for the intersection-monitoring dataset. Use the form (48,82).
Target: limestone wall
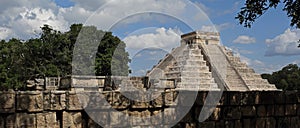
(64,109)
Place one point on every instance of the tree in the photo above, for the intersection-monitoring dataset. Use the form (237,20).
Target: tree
(51,55)
(288,78)
(253,9)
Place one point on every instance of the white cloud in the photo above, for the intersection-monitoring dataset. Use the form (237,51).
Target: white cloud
(5,32)
(216,27)
(161,38)
(23,18)
(243,39)
(284,44)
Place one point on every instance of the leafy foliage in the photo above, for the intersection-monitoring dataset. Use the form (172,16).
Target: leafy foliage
(253,9)
(51,55)
(288,78)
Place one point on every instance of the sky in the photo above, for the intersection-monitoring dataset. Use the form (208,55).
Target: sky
(151,28)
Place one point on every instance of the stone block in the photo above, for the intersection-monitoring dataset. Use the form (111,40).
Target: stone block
(2,122)
(260,122)
(295,122)
(186,98)
(119,101)
(190,125)
(248,123)
(47,100)
(270,122)
(279,110)
(24,120)
(158,100)
(188,117)
(206,124)
(47,119)
(96,118)
(7,102)
(74,102)
(140,118)
(97,100)
(11,121)
(169,116)
(30,101)
(291,97)
(200,98)
(119,119)
(216,114)
(261,111)
(220,124)
(279,97)
(266,97)
(157,117)
(235,98)
(232,112)
(290,109)
(72,120)
(270,110)
(170,98)
(283,122)
(238,124)
(57,100)
(248,110)
(248,98)
(229,124)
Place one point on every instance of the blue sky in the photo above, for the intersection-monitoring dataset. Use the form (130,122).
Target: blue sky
(266,47)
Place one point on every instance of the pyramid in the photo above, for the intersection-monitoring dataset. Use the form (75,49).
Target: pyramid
(202,63)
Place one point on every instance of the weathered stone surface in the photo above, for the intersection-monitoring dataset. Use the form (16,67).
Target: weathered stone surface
(248,123)
(248,110)
(7,102)
(157,117)
(247,98)
(291,97)
(72,120)
(261,111)
(11,121)
(170,98)
(270,110)
(118,119)
(232,112)
(24,120)
(260,122)
(57,100)
(97,100)
(238,124)
(279,110)
(140,118)
(2,122)
(119,101)
(216,114)
(201,98)
(73,102)
(169,115)
(290,109)
(295,122)
(207,125)
(47,120)
(30,101)
(270,122)
(235,98)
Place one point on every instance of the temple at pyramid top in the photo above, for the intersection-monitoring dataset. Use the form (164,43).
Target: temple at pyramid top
(202,63)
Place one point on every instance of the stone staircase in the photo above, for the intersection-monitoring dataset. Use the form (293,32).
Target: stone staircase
(190,71)
(248,75)
(201,63)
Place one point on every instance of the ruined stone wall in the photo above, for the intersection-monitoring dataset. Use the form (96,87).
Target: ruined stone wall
(63,109)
